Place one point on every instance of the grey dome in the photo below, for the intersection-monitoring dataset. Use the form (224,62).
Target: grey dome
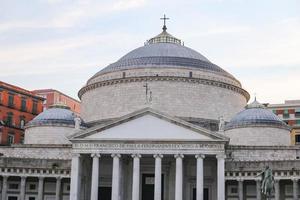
(163,51)
(58,115)
(255,115)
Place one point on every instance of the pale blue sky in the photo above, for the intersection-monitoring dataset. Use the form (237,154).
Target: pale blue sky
(61,43)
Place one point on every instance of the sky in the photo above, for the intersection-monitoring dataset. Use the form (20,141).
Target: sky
(59,44)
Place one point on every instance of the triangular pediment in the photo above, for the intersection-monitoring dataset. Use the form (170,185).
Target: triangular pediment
(148,124)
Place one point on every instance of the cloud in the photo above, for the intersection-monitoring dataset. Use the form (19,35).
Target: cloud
(67,15)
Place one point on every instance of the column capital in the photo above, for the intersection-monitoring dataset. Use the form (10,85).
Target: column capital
(5,177)
(200,156)
(97,155)
(58,178)
(258,180)
(75,155)
(220,156)
(240,179)
(294,179)
(41,177)
(116,155)
(158,156)
(178,156)
(23,177)
(136,155)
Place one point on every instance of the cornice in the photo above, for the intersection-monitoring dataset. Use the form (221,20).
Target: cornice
(163,78)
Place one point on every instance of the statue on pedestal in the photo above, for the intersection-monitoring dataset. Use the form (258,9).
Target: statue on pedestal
(267,186)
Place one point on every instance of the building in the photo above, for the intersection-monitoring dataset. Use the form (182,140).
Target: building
(289,112)
(53,97)
(17,107)
(164,123)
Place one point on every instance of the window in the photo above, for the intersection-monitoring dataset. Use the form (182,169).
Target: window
(31,198)
(22,121)
(10,138)
(9,119)
(297,139)
(297,112)
(34,107)
(0,97)
(298,121)
(13,186)
(191,74)
(11,100)
(124,74)
(32,186)
(12,198)
(23,104)
(22,140)
(286,113)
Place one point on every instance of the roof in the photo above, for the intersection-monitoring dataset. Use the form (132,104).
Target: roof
(56,115)
(143,112)
(163,51)
(255,114)
(19,90)
(42,91)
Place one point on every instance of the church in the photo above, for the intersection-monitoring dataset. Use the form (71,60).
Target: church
(161,123)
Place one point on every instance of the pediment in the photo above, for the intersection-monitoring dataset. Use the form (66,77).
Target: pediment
(150,125)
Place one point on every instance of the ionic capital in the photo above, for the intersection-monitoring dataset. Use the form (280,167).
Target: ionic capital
(116,155)
(75,155)
(220,156)
(158,156)
(136,156)
(95,155)
(200,156)
(179,156)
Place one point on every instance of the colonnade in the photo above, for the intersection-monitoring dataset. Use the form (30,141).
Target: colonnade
(75,176)
(277,189)
(23,188)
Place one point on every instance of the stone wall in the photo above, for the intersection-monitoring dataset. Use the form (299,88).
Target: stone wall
(176,98)
(48,135)
(259,136)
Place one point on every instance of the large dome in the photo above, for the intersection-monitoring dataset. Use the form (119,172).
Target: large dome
(157,54)
(164,75)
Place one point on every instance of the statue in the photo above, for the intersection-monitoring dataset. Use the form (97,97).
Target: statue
(221,123)
(267,186)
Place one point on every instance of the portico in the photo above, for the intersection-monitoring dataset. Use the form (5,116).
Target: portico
(167,158)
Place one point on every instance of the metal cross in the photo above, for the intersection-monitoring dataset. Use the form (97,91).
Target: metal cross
(165,18)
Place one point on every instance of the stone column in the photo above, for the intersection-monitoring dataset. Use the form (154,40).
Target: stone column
(41,188)
(58,188)
(199,177)
(4,187)
(95,176)
(277,190)
(75,177)
(178,177)
(295,189)
(115,177)
(22,188)
(221,177)
(136,177)
(241,189)
(258,189)
(157,182)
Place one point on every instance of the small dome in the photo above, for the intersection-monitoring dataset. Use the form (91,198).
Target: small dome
(255,114)
(55,115)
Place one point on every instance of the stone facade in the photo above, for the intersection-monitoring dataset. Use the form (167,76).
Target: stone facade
(183,98)
(259,136)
